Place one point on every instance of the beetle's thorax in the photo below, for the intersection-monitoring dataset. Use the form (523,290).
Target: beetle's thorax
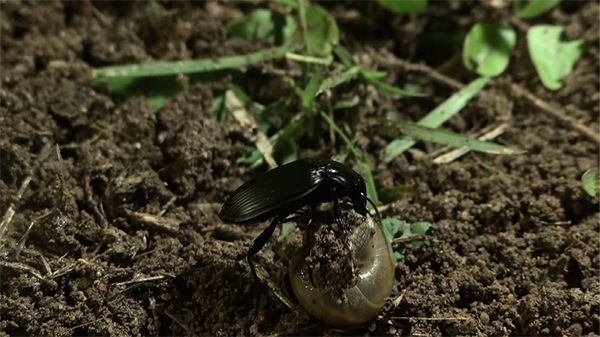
(339,182)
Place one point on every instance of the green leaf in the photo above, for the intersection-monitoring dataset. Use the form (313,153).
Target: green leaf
(487,48)
(532,8)
(552,57)
(263,24)
(404,7)
(437,116)
(391,227)
(398,256)
(591,181)
(419,228)
(322,31)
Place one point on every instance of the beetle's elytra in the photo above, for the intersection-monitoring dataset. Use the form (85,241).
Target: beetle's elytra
(284,190)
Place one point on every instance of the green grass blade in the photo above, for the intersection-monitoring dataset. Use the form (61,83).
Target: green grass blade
(439,136)
(297,90)
(337,130)
(375,74)
(344,55)
(337,80)
(438,116)
(364,167)
(454,104)
(186,67)
(369,76)
(309,59)
(342,155)
(367,174)
(390,89)
(311,90)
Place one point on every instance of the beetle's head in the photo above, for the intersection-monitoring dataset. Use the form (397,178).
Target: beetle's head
(359,196)
(359,199)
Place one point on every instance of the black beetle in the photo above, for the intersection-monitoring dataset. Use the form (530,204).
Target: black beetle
(284,190)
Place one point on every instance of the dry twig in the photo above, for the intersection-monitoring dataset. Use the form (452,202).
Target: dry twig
(262,142)
(557,113)
(10,213)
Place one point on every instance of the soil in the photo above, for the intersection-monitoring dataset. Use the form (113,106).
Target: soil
(116,232)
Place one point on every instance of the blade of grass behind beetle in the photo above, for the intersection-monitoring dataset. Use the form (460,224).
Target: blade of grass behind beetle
(365,167)
(367,174)
(437,116)
(369,76)
(311,90)
(457,153)
(254,157)
(344,77)
(344,55)
(297,90)
(341,157)
(390,89)
(338,130)
(309,59)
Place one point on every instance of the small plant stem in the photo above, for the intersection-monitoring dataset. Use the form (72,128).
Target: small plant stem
(302,17)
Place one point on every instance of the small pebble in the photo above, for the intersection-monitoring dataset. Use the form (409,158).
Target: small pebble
(484,318)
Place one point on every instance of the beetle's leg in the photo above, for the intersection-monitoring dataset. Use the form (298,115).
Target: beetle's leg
(256,246)
(310,238)
(313,211)
(261,241)
(336,212)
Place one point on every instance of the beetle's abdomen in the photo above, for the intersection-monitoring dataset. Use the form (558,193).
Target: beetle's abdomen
(274,192)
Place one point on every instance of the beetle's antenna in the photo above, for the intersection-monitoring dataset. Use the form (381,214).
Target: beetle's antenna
(376,210)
